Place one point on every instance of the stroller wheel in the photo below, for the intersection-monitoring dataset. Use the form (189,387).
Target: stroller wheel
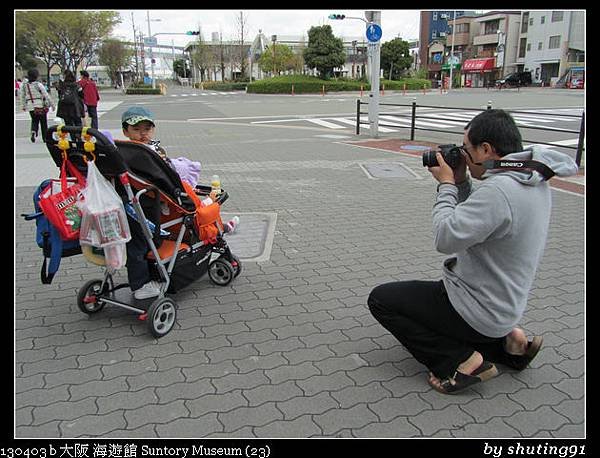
(237,265)
(161,316)
(87,297)
(221,272)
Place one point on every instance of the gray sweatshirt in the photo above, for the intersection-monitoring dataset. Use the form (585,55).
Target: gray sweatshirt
(498,233)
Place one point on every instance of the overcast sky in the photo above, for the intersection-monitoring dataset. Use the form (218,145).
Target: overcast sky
(394,23)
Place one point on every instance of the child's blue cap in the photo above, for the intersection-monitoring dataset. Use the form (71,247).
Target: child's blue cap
(136,114)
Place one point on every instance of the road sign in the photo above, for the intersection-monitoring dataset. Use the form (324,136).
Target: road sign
(150,41)
(453,60)
(374,32)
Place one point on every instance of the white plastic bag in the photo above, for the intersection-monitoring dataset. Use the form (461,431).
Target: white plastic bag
(103,219)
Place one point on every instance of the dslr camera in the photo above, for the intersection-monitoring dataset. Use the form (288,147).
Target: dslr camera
(452,154)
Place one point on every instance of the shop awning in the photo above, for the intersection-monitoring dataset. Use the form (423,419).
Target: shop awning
(479,65)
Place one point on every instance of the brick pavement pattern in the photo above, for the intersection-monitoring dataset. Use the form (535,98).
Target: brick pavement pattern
(289,349)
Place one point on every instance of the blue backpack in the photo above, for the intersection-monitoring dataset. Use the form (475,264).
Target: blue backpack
(49,240)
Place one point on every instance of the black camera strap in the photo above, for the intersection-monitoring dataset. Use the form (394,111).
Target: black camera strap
(546,171)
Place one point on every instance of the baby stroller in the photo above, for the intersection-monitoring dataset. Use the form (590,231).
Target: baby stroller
(179,253)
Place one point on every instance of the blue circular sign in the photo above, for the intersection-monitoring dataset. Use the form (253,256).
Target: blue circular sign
(374,32)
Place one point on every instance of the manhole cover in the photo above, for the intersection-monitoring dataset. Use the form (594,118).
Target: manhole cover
(253,238)
(389,170)
(415,147)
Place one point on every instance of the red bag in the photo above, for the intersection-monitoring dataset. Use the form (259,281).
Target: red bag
(58,202)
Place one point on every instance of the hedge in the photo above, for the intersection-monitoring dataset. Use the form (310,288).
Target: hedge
(223,86)
(308,84)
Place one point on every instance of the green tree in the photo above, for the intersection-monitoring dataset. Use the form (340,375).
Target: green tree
(276,58)
(181,68)
(115,55)
(395,58)
(324,51)
(35,41)
(65,38)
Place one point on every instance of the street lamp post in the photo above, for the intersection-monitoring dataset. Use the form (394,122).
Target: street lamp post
(354,43)
(274,39)
(452,50)
(151,48)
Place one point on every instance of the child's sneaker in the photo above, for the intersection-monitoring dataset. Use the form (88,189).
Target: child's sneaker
(232,224)
(150,289)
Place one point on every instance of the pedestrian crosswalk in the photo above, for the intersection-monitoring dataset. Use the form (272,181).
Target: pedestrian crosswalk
(440,119)
(196,94)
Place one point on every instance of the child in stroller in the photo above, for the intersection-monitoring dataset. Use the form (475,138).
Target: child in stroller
(139,126)
(175,260)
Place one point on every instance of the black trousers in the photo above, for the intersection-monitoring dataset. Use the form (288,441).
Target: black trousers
(93,113)
(73,121)
(420,315)
(39,121)
(138,272)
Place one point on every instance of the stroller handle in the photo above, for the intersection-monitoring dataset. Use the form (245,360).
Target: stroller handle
(222,198)
(204,190)
(78,129)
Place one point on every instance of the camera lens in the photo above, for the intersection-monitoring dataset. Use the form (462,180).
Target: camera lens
(429,159)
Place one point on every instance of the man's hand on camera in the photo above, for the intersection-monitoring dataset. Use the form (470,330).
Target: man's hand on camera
(442,173)
(460,173)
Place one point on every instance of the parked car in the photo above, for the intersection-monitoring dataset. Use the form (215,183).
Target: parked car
(515,80)
(576,83)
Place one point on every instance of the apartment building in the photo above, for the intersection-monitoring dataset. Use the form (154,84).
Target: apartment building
(551,45)
(434,33)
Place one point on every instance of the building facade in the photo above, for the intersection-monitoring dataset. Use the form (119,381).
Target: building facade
(551,44)
(435,30)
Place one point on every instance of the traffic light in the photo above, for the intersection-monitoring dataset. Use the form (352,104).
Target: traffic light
(337,16)
(192,32)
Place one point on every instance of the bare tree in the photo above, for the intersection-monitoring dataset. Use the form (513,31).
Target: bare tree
(242,30)
(202,56)
(222,55)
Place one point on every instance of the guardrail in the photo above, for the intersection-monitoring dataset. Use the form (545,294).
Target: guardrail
(581,132)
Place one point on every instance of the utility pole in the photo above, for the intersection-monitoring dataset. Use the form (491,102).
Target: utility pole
(137,69)
(151,50)
(173,59)
(374,17)
(452,50)
(374,33)
(143,56)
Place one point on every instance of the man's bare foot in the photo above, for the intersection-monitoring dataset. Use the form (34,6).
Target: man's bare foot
(466,367)
(516,342)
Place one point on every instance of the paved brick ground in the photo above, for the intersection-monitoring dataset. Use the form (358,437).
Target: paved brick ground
(289,349)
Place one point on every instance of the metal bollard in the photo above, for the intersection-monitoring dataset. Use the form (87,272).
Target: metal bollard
(358,117)
(413,117)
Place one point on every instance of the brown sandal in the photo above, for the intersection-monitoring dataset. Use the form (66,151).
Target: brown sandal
(520,362)
(460,381)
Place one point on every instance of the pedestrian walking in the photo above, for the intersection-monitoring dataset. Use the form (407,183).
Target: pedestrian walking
(36,100)
(70,100)
(90,96)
